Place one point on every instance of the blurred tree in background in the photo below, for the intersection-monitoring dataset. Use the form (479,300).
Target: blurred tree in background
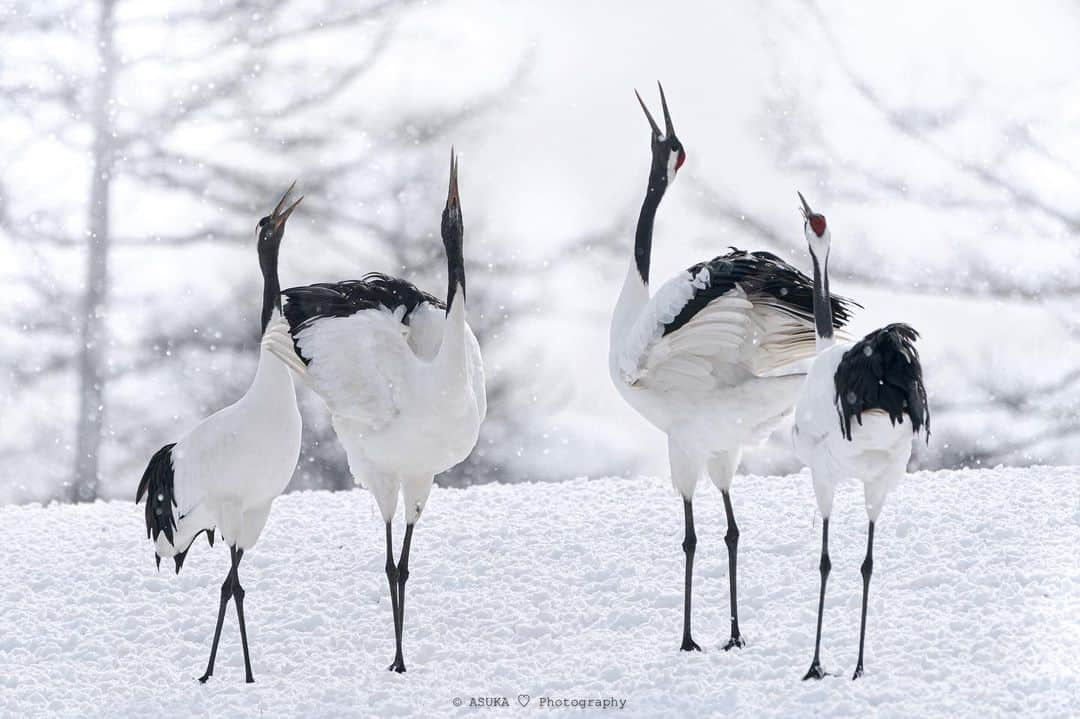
(163,132)
(934,189)
(140,143)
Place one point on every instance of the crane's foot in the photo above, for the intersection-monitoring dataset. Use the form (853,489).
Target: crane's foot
(689,645)
(858,673)
(249,680)
(816,672)
(733,643)
(397,666)
(204,677)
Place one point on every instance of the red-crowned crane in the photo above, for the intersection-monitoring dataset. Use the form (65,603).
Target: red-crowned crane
(699,359)
(226,472)
(877,382)
(402,375)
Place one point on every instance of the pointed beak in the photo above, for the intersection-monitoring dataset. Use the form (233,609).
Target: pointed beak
(652,122)
(279,216)
(667,115)
(452,200)
(805,206)
(281,202)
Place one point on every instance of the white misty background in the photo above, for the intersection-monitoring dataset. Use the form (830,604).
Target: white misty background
(141,142)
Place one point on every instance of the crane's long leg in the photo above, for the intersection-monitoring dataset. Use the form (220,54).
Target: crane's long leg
(816,672)
(392,578)
(731,539)
(238,598)
(226,592)
(688,545)
(402,577)
(867,570)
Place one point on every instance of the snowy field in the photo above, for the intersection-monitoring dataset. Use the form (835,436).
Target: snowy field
(564,591)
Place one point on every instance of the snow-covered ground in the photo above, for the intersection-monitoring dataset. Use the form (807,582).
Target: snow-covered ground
(561,591)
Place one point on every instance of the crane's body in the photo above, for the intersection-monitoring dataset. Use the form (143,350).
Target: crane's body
(876,454)
(709,371)
(403,380)
(230,467)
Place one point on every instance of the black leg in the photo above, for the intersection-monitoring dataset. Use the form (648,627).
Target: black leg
(392,578)
(867,570)
(226,592)
(731,539)
(816,672)
(688,545)
(238,597)
(402,577)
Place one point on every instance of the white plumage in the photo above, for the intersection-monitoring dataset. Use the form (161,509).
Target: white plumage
(733,337)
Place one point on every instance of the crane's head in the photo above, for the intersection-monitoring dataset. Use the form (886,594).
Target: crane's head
(668,154)
(452,228)
(816,230)
(272,227)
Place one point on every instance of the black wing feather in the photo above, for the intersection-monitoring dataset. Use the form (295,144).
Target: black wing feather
(882,371)
(758,273)
(311,303)
(157,484)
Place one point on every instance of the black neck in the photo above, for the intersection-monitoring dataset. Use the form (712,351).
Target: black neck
(455,273)
(643,237)
(822,302)
(268,262)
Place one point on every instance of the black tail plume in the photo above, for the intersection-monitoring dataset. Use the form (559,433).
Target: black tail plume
(882,371)
(157,485)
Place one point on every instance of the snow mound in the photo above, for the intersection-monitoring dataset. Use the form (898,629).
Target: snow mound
(561,591)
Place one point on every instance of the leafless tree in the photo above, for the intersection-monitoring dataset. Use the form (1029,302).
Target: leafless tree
(228,70)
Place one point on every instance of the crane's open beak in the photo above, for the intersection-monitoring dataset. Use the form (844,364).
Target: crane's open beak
(452,200)
(805,206)
(670,131)
(279,216)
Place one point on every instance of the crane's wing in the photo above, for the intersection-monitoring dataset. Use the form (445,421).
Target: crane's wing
(476,369)
(357,340)
(279,342)
(882,373)
(737,314)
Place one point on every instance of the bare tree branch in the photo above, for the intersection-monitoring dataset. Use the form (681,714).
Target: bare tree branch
(910,126)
